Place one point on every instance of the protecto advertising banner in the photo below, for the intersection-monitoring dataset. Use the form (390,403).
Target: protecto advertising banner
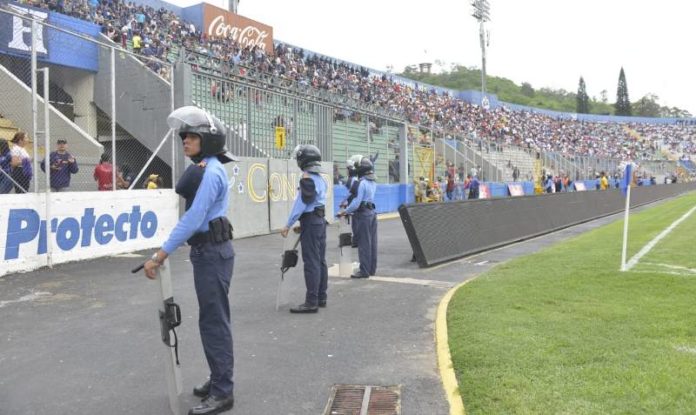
(52,46)
(218,23)
(82,225)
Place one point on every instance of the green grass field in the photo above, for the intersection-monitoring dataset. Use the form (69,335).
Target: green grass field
(564,332)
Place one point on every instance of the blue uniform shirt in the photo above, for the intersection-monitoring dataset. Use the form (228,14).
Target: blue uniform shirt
(212,201)
(301,207)
(366,193)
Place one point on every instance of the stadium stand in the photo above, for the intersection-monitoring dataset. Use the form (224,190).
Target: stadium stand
(500,136)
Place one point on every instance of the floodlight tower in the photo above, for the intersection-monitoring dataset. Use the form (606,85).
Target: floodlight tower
(233,5)
(482,14)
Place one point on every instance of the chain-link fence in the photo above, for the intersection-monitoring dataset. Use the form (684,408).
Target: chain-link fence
(75,104)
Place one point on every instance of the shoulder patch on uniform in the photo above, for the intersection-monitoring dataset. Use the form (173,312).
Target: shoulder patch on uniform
(308,190)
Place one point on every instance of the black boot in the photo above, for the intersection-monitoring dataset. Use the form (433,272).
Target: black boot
(213,405)
(304,308)
(322,304)
(359,276)
(203,390)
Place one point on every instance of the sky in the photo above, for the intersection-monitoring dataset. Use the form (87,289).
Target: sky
(548,43)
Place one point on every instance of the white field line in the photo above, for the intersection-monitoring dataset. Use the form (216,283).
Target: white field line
(646,271)
(673,267)
(685,349)
(650,245)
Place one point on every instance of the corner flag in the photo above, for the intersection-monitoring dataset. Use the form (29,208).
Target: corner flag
(627,179)
(626,190)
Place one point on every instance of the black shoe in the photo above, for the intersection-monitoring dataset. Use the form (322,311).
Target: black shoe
(212,405)
(202,391)
(322,304)
(304,308)
(359,276)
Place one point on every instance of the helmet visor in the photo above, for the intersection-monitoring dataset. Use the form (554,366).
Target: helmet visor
(191,116)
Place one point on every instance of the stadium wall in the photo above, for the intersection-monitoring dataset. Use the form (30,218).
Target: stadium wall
(83,225)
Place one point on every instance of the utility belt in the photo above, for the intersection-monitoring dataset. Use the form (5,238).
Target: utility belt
(367,205)
(319,211)
(219,230)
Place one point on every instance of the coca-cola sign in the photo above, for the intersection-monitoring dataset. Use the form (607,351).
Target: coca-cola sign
(220,23)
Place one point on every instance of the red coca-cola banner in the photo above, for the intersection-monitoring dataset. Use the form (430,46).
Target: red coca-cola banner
(219,23)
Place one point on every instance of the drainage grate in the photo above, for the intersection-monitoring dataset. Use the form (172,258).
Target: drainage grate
(364,400)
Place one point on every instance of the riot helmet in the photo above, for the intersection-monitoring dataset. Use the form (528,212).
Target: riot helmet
(308,158)
(193,120)
(352,164)
(366,169)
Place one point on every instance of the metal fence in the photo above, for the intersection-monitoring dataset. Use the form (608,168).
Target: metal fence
(75,105)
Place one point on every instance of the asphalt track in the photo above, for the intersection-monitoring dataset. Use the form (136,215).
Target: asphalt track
(84,337)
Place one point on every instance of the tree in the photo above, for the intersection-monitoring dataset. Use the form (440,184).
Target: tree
(582,99)
(527,90)
(647,106)
(623,104)
(604,96)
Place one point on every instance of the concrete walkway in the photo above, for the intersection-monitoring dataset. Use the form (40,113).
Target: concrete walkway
(84,337)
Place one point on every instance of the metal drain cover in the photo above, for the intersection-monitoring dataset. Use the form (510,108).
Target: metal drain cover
(364,400)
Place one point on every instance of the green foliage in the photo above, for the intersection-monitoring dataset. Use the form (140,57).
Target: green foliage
(462,78)
(623,104)
(648,106)
(583,101)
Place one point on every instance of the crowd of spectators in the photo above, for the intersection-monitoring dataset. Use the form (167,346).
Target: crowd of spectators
(156,32)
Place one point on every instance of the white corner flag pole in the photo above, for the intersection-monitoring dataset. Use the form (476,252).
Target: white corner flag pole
(625,230)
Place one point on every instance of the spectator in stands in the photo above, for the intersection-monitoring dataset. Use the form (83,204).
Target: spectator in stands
(603,181)
(126,175)
(567,183)
(473,187)
(121,184)
(449,189)
(394,165)
(137,42)
(515,174)
(154,181)
(22,171)
(5,167)
(548,184)
(63,165)
(103,173)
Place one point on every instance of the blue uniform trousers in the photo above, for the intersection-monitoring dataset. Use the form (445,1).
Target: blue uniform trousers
(316,272)
(212,272)
(366,235)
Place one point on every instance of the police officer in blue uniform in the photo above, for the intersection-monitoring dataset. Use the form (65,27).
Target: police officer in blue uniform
(352,186)
(309,208)
(362,207)
(206,229)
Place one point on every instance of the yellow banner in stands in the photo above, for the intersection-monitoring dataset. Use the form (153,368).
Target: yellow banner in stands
(280,138)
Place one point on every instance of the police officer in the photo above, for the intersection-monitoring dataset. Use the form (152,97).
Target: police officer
(309,208)
(362,207)
(206,229)
(352,185)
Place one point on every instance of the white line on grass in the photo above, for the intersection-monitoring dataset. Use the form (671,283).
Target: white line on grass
(659,271)
(633,261)
(674,267)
